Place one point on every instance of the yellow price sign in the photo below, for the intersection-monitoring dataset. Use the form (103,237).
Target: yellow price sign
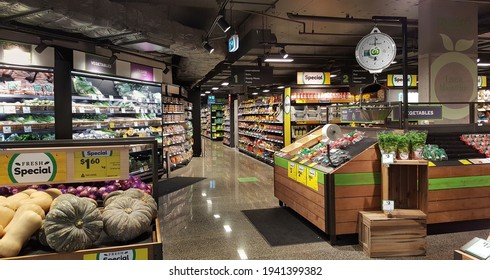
(97,164)
(292,170)
(303,161)
(301,174)
(312,179)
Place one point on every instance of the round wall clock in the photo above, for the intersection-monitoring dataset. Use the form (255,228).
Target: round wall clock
(375,51)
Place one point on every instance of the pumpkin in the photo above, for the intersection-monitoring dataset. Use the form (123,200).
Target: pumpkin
(136,194)
(110,197)
(6,215)
(20,231)
(72,224)
(126,218)
(61,198)
(41,236)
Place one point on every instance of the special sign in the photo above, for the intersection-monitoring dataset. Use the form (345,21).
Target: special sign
(32,168)
(97,164)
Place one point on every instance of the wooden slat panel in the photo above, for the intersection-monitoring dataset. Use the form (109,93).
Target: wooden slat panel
(283,177)
(369,154)
(346,228)
(459,171)
(343,216)
(314,219)
(353,203)
(458,193)
(423,189)
(314,197)
(461,215)
(357,191)
(312,207)
(459,204)
(355,166)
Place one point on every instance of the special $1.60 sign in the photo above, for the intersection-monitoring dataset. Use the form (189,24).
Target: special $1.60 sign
(97,164)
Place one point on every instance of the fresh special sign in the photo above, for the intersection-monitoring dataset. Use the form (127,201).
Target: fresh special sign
(313,78)
(32,168)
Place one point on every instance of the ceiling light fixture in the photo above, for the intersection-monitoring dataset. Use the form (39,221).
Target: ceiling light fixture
(280,87)
(166,70)
(225,84)
(266,90)
(112,59)
(274,59)
(207,47)
(333,75)
(283,53)
(41,47)
(202,94)
(215,88)
(483,64)
(225,26)
(255,93)
(207,91)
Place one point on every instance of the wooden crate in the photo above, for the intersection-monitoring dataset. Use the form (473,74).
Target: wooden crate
(381,236)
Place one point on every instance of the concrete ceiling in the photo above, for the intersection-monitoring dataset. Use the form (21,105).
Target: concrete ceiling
(179,28)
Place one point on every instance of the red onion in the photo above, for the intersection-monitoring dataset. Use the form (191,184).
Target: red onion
(61,187)
(79,189)
(83,193)
(92,196)
(63,191)
(71,190)
(14,190)
(4,191)
(92,190)
(101,190)
(110,188)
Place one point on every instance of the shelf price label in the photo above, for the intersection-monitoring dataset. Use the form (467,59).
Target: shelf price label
(146,123)
(292,170)
(302,175)
(97,164)
(135,123)
(97,110)
(73,109)
(111,110)
(98,125)
(312,179)
(111,97)
(125,98)
(27,128)
(94,97)
(7,129)
(137,110)
(111,125)
(123,110)
(26,110)
(81,110)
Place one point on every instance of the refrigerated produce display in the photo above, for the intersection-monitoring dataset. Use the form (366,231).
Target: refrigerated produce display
(260,127)
(217,122)
(26,104)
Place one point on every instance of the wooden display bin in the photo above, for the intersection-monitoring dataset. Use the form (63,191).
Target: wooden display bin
(381,236)
(150,249)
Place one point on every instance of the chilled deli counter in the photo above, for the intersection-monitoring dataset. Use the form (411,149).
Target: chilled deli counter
(330,191)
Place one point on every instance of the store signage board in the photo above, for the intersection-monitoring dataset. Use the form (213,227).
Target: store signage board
(420,112)
(99,64)
(15,53)
(250,75)
(312,179)
(313,78)
(233,43)
(142,72)
(388,205)
(396,80)
(352,115)
(478,247)
(360,77)
(482,81)
(24,168)
(92,164)
(292,170)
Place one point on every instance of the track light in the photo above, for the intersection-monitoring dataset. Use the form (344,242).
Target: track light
(41,47)
(112,59)
(225,26)
(283,53)
(207,47)
(166,70)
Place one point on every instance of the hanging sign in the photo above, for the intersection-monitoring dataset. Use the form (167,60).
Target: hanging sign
(482,81)
(420,112)
(99,64)
(141,72)
(97,164)
(397,80)
(233,43)
(313,78)
(32,168)
(250,75)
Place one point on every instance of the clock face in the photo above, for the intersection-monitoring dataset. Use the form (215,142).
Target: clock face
(375,52)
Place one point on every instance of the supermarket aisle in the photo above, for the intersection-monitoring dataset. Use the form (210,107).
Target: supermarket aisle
(204,221)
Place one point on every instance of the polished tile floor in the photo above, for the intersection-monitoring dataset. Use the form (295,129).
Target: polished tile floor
(204,220)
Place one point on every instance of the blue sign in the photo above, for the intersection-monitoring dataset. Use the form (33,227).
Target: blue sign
(233,43)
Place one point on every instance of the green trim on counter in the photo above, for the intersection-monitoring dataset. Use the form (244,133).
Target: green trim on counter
(459,182)
(321,177)
(352,179)
(281,162)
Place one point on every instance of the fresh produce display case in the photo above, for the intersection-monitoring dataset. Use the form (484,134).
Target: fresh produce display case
(147,245)
(456,190)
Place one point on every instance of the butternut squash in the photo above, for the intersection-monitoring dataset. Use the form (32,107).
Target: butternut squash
(54,193)
(29,191)
(15,200)
(6,215)
(32,207)
(2,233)
(20,231)
(4,202)
(40,198)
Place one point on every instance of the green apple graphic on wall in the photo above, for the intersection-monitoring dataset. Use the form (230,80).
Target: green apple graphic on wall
(454,77)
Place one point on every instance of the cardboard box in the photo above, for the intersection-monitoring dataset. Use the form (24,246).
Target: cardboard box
(381,236)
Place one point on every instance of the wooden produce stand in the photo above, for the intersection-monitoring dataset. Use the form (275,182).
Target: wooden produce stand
(69,159)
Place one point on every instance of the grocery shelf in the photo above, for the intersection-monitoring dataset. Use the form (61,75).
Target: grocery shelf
(176,133)
(22,131)
(176,122)
(259,105)
(97,98)
(252,114)
(258,121)
(27,96)
(261,137)
(263,159)
(173,144)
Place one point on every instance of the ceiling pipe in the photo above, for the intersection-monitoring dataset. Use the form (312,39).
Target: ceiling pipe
(340,35)
(298,17)
(29,13)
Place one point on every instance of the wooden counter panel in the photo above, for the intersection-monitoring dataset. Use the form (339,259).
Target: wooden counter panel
(343,216)
(460,215)
(359,166)
(346,228)
(299,189)
(459,171)
(357,191)
(312,207)
(282,175)
(300,209)
(358,203)
(456,194)
(459,204)
(369,154)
